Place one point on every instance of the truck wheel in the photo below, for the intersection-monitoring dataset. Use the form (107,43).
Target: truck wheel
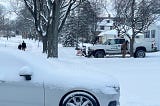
(134,55)
(99,54)
(140,54)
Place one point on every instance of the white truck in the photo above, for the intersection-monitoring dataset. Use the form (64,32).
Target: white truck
(113,46)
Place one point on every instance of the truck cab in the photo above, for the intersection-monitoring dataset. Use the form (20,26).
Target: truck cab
(113,46)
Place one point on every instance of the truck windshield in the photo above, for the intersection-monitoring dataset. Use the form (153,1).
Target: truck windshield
(114,41)
(107,42)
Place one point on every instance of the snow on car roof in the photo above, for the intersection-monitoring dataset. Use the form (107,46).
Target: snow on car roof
(13,62)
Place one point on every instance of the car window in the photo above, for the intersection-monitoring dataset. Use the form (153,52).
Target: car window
(113,41)
(108,42)
(121,41)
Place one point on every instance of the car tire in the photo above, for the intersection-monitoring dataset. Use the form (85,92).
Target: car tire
(99,54)
(79,99)
(140,54)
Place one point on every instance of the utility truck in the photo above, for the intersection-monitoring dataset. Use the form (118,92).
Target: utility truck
(113,46)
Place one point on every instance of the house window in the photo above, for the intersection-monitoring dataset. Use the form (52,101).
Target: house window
(108,21)
(153,33)
(147,34)
(101,27)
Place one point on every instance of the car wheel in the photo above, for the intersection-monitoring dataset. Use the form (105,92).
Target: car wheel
(79,99)
(140,53)
(99,54)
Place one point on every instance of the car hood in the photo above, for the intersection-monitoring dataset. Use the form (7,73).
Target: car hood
(83,79)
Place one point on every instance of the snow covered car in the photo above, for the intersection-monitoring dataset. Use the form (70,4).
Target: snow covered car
(31,80)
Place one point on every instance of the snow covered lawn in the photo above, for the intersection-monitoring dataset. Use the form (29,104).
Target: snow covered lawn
(139,78)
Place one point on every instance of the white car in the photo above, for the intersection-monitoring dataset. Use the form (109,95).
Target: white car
(28,80)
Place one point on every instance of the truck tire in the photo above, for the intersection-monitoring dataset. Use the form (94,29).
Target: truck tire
(140,54)
(134,55)
(99,54)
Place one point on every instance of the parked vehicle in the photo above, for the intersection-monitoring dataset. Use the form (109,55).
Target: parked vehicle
(113,46)
(31,83)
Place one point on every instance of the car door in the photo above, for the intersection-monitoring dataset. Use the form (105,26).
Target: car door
(21,93)
(114,46)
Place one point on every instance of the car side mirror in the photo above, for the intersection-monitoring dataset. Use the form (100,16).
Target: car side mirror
(26,73)
(27,77)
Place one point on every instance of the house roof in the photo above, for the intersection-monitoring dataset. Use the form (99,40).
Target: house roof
(115,32)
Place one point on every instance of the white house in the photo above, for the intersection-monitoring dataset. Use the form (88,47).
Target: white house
(153,33)
(104,25)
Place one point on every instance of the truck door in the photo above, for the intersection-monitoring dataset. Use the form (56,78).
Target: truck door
(114,46)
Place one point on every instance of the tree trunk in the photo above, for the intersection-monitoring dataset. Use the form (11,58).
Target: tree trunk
(52,41)
(132,47)
(53,31)
(50,34)
(55,39)
(133,27)
(44,40)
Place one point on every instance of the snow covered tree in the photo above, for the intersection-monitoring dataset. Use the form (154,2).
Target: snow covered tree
(81,23)
(69,31)
(86,21)
(2,17)
(25,24)
(49,18)
(68,41)
(134,15)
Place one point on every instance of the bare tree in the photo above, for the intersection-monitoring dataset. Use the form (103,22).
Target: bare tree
(49,18)
(134,15)
(1,17)
(25,23)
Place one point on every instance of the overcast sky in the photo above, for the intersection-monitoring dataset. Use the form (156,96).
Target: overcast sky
(107,4)
(7,10)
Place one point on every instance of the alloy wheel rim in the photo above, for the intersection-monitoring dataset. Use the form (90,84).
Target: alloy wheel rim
(79,101)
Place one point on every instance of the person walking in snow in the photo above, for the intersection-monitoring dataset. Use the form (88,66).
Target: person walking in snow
(124,48)
(24,46)
(19,46)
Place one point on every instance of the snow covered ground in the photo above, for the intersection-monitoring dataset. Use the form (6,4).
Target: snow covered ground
(138,77)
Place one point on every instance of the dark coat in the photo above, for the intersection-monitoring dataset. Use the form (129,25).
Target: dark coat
(24,45)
